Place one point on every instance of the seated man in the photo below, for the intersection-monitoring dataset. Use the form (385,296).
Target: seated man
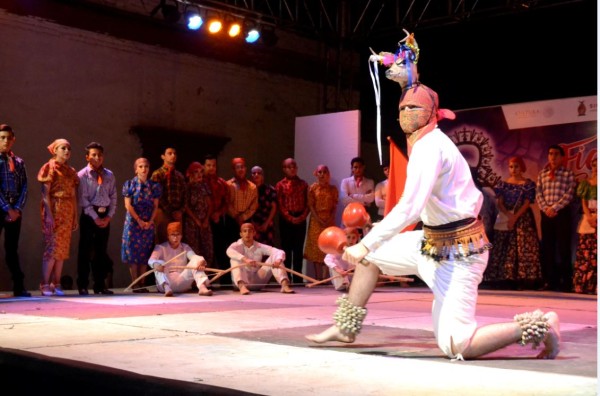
(256,275)
(171,254)
(340,268)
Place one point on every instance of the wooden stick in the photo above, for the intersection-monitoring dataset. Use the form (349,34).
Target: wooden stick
(223,272)
(145,274)
(392,279)
(327,280)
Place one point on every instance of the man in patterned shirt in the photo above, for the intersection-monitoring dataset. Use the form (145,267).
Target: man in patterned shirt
(13,194)
(292,201)
(170,204)
(554,193)
(243,198)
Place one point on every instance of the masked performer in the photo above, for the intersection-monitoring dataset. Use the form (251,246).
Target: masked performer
(453,252)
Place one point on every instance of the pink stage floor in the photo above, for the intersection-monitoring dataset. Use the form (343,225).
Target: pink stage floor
(230,344)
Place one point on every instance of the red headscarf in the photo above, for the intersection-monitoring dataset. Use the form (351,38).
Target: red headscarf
(174,228)
(193,167)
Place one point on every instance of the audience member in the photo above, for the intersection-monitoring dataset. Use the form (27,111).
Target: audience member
(196,225)
(167,260)
(220,196)
(171,202)
(515,258)
(554,192)
(267,208)
(59,214)
(322,201)
(249,272)
(292,202)
(141,197)
(357,188)
(13,195)
(98,202)
(381,192)
(243,193)
(585,275)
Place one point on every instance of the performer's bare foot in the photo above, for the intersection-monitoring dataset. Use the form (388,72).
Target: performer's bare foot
(243,289)
(331,334)
(168,291)
(205,291)
(285,287)
(552,339)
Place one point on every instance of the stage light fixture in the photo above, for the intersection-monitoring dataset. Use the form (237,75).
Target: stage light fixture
(251,32)
(252,36)
(215,25)
(234,29)
(193,19)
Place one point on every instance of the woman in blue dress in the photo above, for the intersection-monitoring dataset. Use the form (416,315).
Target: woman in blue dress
(515,258)
(141,202)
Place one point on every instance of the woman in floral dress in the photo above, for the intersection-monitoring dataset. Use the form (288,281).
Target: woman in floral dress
(322,202)
(585,272)
(198,208)
(59,214)
(515,259)
(141,202)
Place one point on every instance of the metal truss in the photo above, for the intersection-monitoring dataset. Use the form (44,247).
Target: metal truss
(358,20)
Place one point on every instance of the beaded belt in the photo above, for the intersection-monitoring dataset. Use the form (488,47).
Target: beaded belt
(455,240)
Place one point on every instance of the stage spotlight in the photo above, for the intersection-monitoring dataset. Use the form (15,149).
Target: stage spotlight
(193,19)
(268,36)
(252,36)
(251,33)
(234,29)
(215,26)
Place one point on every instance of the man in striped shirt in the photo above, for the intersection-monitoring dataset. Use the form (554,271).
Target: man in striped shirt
(554,193)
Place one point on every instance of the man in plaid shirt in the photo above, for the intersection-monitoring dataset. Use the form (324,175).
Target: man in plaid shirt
(554,193)
(292,202)
(170,204)
(13,194)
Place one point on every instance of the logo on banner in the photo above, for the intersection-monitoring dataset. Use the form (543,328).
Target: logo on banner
(477,150)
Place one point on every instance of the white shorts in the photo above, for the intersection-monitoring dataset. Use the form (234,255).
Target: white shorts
(453,283)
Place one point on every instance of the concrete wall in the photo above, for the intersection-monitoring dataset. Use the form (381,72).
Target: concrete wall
(57,81)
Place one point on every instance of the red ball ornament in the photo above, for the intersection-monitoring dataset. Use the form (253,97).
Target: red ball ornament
(355,215)
(332,240)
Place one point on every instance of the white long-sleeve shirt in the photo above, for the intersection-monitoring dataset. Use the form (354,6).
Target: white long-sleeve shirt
(237,251)
(350,192)
(438,190)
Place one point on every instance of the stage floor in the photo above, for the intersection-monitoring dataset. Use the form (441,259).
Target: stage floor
(231,344)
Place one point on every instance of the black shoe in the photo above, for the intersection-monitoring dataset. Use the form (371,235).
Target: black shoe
(83,292)
(104,291)
(21,293)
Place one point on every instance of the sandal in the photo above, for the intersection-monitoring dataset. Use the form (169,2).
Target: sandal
(46,290)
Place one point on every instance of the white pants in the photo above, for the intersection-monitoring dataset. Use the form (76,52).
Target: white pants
(339,281)
(179,282)
(453,283)
(257,278)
